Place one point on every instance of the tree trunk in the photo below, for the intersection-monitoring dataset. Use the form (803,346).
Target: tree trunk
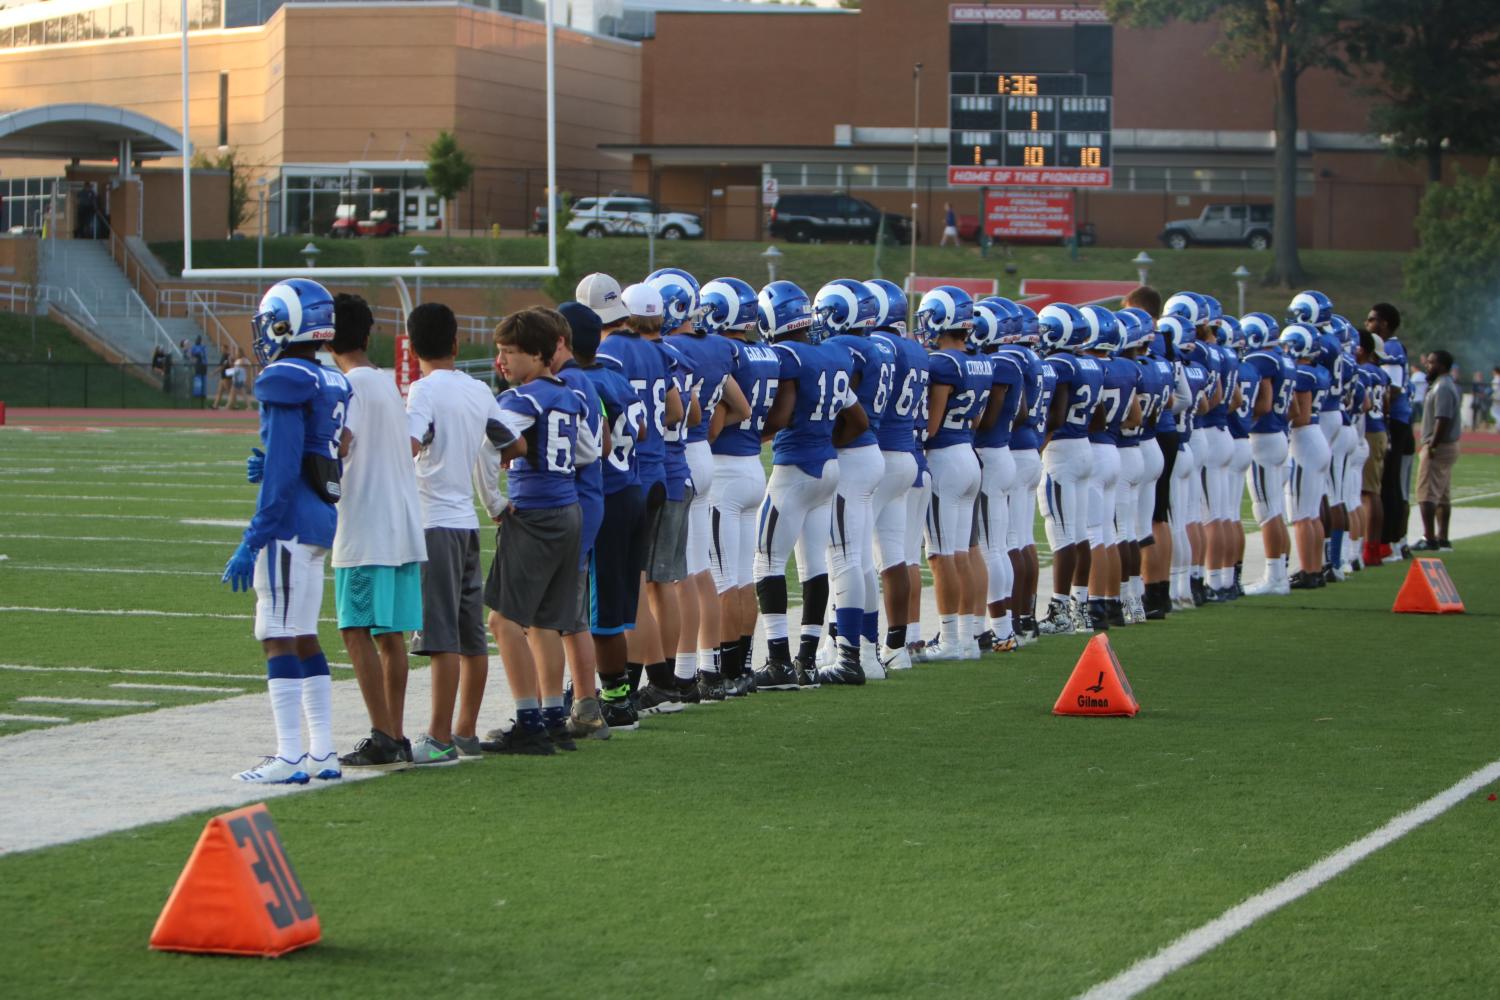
(1286,267)
(1434,161)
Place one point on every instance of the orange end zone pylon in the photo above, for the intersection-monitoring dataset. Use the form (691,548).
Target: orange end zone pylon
(1097,685)
(238,894)
(1428,590)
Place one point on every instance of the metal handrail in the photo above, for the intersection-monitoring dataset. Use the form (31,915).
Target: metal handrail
(154,326)
(222,338)
(71,296)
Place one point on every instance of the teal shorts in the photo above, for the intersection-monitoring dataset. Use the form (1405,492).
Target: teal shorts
(380,598)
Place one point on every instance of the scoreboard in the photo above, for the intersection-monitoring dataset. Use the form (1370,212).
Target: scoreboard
(1029,96)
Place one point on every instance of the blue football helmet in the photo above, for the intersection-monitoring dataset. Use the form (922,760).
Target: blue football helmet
(1189,305)
(1136,326)
(295,311)
(1214,309)
(843,306)
(990,322)
(1227,329)
(945,309)
(726,304)
(1259,330)
(782,308)
(1310,307)
(1030,330)
(1010,314)
(1328,350)
(679,295)
(1104,330)
(1178,331)
(1061,326)
(1298,340)
(1344,332)
(890,303)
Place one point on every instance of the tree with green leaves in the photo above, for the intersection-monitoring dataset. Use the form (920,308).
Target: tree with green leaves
(1287,37)
(239,182)
(449,171)
(1454,276)
(1434,68)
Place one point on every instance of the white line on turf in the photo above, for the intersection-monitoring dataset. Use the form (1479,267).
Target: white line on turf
(1476,496)
(123,498)
(130,686)
(129,672)
(110,538)
(36,699)
(1197,943)
(32,718)
(212,522)
(124,612)
(114,569)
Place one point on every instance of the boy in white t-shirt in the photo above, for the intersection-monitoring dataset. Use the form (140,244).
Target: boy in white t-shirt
(379,547)
(450,418)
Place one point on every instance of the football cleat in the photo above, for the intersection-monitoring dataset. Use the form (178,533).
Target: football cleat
(1079,612)
(846,671)
(1058,620)
(274,770)
(892,660)
(1301,580)
(326,767)
(869,662)
(619,711)
(652,699)
(1010,644)
(775,675)
(805,669)
(934,650)
(711,686)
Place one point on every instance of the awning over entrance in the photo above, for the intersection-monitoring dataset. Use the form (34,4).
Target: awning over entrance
(85,132)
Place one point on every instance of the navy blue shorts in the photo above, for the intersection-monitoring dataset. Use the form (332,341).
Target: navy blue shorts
(618,558)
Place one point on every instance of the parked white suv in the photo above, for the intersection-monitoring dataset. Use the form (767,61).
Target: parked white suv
(631,215)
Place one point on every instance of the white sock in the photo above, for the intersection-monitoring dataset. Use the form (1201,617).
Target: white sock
(708,661)
(1081,595)
(687,666)
(317,706)
(1004,627)
(948,631)
(775,625)
(1197,571)
(913,632)
(1135,587)
(286,709)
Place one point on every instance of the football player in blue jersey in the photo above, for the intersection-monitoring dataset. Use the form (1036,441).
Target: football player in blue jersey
(1240,419)
(957,402)
(1384,320)
(728,308)
(712,360)
(532,589)
(814,412)
(644,364)
(997,321)
(1025,451)
(620,545)
(1270,390)
(302,408)
(1357,406)
(1187,544)
(1122,409)
(898,451)
(843,311)
(1221,514)
(1369,356)
(1068,460)
(1310,454)
(1140,457)
(1332,356)
(1157,557)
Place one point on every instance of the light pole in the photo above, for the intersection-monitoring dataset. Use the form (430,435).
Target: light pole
(310,254)
(1143,264)
(226,158)
(1241,278)
(260,239)
(418,257)
(916,117)
(771,256)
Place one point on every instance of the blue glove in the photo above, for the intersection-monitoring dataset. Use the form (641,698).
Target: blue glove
(239,572)
(255,466)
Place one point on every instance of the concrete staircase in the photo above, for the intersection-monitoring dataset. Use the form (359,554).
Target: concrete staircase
(104,301)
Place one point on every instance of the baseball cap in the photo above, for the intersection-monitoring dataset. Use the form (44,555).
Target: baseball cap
(642,300)
(601,293)
(584,323)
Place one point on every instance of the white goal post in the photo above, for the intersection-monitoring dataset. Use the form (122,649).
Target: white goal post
(439,271)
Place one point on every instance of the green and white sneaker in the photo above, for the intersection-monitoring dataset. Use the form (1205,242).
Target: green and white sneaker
(428,752)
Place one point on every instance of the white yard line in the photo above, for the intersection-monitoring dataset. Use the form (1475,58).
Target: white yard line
(35,537)
(112,570)
(212,522)
(122,498)
(127,613)
(1197,943)
(92,702)
(1476,496)
(193,688)
(31,718)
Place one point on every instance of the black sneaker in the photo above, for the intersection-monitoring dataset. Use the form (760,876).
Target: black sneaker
(845,671)
(776,675)
(1444,545)
(1115,614)
(377,752)
(1026,625)
(1302,581)
(406,749)
(1098,615)
(518,741)
(1198,590)
(806,670)
(1426,545)
(711,686)
(687,692)
(651,699)
(560,738)
(1213,595)
(986,640)
(619,712)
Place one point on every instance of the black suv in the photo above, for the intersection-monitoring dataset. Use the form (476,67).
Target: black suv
(837,218)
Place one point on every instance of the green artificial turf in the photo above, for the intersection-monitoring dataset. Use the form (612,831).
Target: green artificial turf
(937,834)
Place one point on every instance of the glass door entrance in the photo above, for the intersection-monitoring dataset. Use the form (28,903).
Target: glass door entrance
(423,210)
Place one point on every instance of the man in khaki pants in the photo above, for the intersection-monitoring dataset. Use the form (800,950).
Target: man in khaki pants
(1438,449)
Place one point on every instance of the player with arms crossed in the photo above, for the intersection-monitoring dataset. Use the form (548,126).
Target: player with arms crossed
(302,410)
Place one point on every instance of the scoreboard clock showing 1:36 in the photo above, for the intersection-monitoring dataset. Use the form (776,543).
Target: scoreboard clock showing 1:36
(1029,95)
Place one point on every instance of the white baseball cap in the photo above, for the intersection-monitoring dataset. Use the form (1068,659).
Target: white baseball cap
(642,300)
(601,293)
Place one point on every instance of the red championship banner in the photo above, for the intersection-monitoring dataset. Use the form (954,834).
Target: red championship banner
(1029,214)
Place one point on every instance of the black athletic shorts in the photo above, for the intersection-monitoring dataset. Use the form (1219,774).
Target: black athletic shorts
(615,566)
(1169,443)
